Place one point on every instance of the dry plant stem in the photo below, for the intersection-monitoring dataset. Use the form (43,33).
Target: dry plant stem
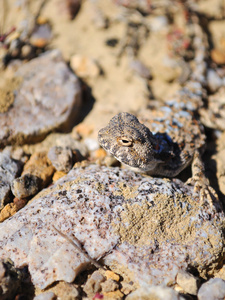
(78,247)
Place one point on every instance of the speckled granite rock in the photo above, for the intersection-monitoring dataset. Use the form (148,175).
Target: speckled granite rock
(45,96)
(147,229)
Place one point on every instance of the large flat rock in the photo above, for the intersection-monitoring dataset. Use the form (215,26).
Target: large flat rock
(147,229)
(44,95)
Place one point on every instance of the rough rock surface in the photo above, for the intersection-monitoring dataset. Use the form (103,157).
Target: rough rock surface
(40,166)
(9,169)
(129,220)
(61,158)
(25,186)
(62,290)
(47,96)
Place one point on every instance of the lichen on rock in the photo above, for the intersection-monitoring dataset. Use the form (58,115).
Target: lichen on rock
(145,229)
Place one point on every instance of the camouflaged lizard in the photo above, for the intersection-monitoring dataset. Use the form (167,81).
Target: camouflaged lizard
(164,138)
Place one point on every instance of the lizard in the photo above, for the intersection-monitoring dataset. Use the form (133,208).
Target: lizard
(164,138)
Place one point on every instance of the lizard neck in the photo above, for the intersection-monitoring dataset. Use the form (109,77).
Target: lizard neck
(163,146)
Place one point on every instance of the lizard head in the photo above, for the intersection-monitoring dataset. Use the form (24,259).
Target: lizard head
(131,142)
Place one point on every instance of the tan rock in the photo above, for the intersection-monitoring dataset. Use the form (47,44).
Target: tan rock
(84,66)
(218,56)
(112,275)
(26,186)
(116,295)
(100,153)
(83,129)
(57,175)
(188,282)
(40,166)
(66,291)
(93,284)
(11,208)
(109,286)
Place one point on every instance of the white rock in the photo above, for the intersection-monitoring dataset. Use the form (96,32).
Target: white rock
(214,289)
(154,292)
(92,144)
(213,80)
(45,296)
(84,66)
(129,220)
(188,282)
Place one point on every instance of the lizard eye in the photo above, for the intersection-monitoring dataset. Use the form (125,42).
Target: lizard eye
(124,141)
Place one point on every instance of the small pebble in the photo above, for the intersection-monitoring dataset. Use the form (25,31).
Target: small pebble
(26,186)
(100,154)
(40,166)
(84,129)
(92,144)
(15,47)
(109,286)
(158,23)
(65,291)
(140,69)
(41,36)
(93,284)
(26,51)
(218,56)
(214,289)
(9,169)
(84,66)
(188,282)
(214,81)
(61,158)
(154,292)
(111,275)
(57,175)
(11,208)
(18,154)
(45,296)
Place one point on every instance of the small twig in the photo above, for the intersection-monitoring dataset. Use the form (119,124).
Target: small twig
(78,247)
(4,36)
